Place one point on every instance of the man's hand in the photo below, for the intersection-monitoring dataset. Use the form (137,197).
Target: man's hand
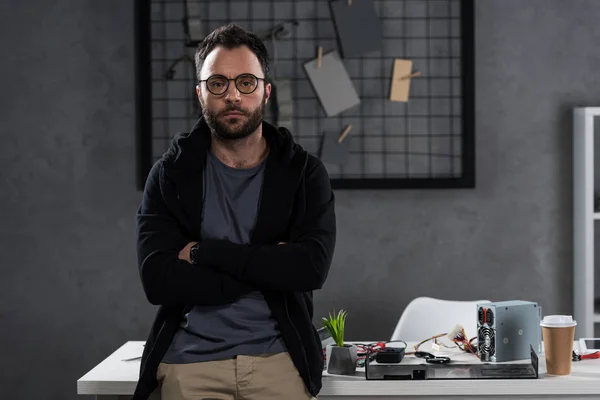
(184,254)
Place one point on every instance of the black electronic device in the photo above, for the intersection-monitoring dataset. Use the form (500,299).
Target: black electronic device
(459,366)
(507,329)
(390,355)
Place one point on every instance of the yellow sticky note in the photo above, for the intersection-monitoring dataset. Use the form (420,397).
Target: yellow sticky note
(400,80)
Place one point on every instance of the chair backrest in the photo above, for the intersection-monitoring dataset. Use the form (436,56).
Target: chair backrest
(424,317)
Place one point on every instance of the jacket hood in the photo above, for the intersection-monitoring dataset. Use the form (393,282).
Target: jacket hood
(187,151)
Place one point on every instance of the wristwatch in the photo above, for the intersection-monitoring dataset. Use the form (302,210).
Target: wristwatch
(194,253)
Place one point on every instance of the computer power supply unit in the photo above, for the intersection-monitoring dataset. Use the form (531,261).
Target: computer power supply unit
(507,329)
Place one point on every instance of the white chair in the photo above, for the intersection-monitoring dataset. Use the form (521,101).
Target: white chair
(425,317)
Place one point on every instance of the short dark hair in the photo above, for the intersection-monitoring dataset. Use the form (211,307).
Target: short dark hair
(232,36)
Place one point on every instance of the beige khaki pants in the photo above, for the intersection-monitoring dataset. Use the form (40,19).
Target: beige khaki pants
(262,377)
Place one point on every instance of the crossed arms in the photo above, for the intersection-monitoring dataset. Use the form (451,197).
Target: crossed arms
(228,270)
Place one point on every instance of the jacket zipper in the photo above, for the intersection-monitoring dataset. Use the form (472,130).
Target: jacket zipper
(287,313)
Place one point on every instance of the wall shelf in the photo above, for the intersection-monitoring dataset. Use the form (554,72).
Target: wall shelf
(583,220)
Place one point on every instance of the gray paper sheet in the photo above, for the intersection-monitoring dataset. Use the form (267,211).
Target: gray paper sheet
(285,103)
(280,108)
(358,28)
(332,84)
(333,152)
(194,13)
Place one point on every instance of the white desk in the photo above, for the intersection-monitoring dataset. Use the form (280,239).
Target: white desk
(114,379)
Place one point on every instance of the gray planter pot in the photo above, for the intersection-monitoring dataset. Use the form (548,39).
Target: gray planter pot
(341,360)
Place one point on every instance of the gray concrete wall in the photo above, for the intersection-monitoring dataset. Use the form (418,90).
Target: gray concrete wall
(70,291)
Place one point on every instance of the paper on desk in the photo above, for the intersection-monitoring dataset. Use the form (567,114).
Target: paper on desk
(135,358)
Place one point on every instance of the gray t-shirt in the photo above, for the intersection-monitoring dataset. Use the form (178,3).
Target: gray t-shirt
(245,327)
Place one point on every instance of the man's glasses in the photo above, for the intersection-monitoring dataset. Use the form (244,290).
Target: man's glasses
(245,83)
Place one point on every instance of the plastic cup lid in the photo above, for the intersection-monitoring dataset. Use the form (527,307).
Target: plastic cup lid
(558,321)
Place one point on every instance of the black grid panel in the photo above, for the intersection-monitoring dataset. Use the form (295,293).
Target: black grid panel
(427,142)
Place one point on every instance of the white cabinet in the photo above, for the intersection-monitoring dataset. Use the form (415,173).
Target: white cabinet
(585,220)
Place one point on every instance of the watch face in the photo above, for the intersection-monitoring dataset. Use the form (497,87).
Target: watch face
(193,251)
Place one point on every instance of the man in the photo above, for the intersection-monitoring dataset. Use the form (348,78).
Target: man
(235,230)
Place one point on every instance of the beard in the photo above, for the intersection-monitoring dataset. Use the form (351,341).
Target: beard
(234,128)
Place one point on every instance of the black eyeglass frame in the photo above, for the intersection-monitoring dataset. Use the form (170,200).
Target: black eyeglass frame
(234,80)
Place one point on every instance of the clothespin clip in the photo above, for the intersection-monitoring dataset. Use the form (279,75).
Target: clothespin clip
(413,75)
(319,56)
(344,133)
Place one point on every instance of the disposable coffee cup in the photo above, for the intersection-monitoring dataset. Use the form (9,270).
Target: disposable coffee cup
(558,333)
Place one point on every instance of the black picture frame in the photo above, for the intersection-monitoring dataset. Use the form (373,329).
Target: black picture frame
(467,179)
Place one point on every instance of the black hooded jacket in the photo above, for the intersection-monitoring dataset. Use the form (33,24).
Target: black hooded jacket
(297,206)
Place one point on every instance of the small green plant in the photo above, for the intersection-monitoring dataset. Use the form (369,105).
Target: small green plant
(335,326)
